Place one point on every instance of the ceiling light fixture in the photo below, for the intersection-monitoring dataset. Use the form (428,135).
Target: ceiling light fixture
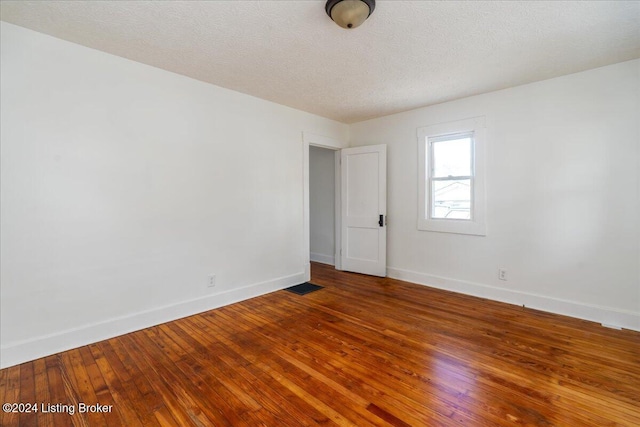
(349,13)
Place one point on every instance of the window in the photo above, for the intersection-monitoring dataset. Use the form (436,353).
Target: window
(451,177)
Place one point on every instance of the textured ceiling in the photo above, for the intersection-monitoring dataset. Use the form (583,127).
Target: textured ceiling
(408,54)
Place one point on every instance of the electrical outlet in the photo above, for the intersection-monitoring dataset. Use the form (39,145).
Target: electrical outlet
(212,281)
(502,274)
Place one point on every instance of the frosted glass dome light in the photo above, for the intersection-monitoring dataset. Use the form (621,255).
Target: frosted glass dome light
(349,13)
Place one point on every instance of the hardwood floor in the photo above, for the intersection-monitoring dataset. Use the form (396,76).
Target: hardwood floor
(363,351)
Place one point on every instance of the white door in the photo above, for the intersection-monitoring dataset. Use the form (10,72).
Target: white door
(364,210)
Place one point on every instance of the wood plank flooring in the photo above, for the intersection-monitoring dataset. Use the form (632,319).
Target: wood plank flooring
(363,351)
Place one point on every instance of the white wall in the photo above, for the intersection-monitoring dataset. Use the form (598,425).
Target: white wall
(563,199)
(124,186)
(322,204)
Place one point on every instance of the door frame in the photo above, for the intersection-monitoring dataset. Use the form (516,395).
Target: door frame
(310,139)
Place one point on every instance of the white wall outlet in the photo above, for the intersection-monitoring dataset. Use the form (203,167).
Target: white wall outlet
(212,281)
(502,274)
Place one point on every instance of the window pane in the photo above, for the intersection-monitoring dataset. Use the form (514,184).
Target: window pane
(451,199)
(452,157)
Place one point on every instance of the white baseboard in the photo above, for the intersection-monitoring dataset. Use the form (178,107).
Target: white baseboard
(307,271)
(604,315)
(321,258)
(24,351)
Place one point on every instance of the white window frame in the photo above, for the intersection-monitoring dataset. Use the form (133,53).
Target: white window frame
(476,225)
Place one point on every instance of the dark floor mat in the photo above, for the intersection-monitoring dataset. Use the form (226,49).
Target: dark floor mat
(303,288)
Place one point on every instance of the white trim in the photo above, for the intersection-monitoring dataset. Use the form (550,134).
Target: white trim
(606,325)
(27,350)
(600,314)
(456,126)
(322,141)
(322,258)
(477,225)
(337,192)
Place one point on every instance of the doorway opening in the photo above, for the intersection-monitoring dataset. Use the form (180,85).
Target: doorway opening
(322,209)
(360,208)
(333,147)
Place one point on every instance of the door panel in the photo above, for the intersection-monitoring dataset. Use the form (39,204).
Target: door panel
(364,245)
(361,172)
(364,199)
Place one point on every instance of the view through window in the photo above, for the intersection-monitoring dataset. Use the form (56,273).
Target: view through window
(451,177)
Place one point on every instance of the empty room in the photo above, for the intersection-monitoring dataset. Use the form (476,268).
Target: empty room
(300,213)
